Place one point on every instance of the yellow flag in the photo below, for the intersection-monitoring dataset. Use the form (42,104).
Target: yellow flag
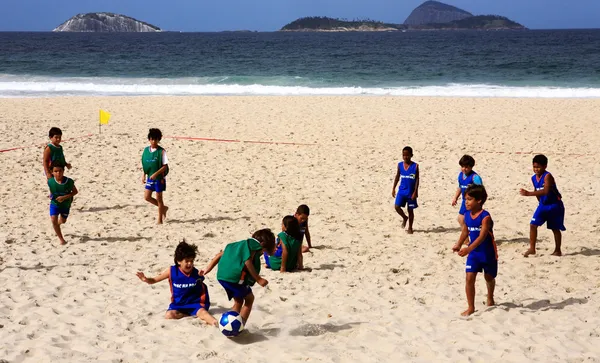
(104,117)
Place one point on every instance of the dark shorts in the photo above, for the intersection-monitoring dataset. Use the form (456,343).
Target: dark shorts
(235,290)
(477,262)
(553,215)
(158,186)
(402,200)
(56,210)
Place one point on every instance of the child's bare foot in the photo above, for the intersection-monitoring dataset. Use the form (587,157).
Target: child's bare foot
(529,252)
(409,231)
(63,242)
(490,302)
(557,253)
(404,221)
(468,312)
(164,214)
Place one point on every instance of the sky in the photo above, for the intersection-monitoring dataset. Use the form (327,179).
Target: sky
(271,15)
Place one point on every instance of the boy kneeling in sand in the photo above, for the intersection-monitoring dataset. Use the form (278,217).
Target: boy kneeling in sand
(482,252)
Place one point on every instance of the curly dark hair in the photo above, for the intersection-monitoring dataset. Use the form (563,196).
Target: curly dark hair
(266,238)
(154,134)
(185,250)
(477,192)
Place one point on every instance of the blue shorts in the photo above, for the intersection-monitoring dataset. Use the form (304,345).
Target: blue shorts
(190,309)
(463,208)
(402,200)
(552,214)
(56,210)
(478,262)
(158,186)
(278,253)
(235,290)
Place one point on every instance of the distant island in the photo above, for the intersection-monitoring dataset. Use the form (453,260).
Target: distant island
(105,22)
(431,15)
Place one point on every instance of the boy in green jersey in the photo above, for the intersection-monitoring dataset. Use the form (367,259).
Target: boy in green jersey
(156,167)
(62,190)
(53,151)
(239,268)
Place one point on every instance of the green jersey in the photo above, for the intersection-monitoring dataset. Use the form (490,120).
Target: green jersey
(293,246)
(235,255)
(56,153)
(59,189)
(152,162)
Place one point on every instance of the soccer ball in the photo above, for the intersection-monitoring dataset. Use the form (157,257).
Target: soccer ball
(231,324)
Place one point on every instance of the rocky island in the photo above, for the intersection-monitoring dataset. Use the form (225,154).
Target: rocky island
(105,22)
(431,15)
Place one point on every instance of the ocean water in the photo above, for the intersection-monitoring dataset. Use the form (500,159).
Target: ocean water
(548,63)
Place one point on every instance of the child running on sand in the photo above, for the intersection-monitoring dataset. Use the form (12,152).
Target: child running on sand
(466,177)
(156,168)
(550,210)
(239,268)
(54,151)
(189,294)
(408,192)
(482,252)
(62,191)
(288,249)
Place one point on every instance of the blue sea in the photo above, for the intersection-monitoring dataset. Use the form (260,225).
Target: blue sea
(537,63)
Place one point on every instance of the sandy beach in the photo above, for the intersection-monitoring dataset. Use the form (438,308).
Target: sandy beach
(371,292)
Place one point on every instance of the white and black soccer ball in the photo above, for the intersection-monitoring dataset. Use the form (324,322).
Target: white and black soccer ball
(231,324)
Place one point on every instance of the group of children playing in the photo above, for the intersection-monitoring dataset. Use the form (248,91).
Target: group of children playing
(238,264)
(476,223)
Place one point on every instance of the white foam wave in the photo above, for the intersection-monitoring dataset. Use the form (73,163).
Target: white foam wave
(45,87)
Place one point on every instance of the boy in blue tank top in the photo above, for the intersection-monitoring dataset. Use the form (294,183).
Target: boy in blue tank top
(482,253)
(466,177)
(408,192)
(189,294)
(550,210)
(156,167)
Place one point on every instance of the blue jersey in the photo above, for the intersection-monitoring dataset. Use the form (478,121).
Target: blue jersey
(551,198)
(408,178)
(486,248)
(187,289)
(465,180)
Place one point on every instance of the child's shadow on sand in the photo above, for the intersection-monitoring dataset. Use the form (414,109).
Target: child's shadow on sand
(585,252)
(306,330)
(543,305)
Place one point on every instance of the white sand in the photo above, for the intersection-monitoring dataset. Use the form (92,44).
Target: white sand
(374,292)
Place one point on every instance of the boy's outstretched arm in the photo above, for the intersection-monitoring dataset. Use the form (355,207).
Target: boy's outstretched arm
(307,235)
(396,179)
(486,227)
(250,267)
(548,183)
(464,234)
(415,194)
(212,263)
(300,259)
(152,280)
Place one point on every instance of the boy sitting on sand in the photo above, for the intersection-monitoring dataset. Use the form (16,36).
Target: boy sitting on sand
(302,213)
